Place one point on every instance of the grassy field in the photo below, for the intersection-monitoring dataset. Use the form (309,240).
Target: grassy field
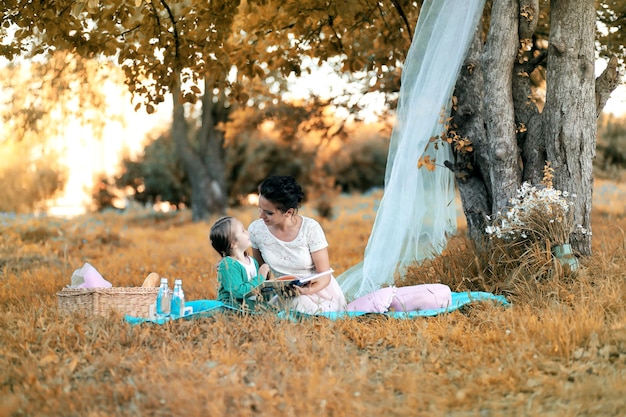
(558,350)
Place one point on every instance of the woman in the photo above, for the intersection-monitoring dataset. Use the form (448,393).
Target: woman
(292,244)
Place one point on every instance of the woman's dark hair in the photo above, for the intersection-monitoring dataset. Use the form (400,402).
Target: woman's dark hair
(221,236)
(282,191)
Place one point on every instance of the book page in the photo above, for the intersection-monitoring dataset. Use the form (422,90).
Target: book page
(316,276)
(301,280)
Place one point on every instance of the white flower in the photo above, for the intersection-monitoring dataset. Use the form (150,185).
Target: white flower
(534,213)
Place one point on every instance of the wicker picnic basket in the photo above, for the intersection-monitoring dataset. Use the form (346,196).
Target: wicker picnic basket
(134,301)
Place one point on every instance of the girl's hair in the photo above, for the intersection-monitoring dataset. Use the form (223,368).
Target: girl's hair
(221,236)
(282,191)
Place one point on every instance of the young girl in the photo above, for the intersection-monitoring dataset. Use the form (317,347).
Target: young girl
(237,273)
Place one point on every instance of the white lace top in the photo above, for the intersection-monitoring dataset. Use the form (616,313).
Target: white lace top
(287,258)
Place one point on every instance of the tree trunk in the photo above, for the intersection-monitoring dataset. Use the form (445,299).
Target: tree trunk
(468,122)
(569,116)
(204,164)
(498,58)
(512,139)
(527,116)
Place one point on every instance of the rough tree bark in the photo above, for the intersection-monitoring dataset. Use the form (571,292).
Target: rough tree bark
(204,162)
(498,59)
(569,115)
(527,115)
(468,120)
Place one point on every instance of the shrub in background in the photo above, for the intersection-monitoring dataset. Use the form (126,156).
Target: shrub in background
(611,146)
(252,156)
(157,175)
(359,164)
(29,178)
(103,194)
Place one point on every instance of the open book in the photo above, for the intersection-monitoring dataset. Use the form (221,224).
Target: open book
(295,280)
(286,281)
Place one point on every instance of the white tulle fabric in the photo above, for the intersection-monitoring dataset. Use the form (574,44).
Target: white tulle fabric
(418,210)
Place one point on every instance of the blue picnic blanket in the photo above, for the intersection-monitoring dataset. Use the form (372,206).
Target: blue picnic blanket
(207,308)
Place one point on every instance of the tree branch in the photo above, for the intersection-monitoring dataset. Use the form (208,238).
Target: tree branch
(403,16)
(606,83)
(173,20)
(156,17)
(123,33)
(337,36)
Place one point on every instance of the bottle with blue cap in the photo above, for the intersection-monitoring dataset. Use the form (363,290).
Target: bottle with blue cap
(178,299)
(163,301)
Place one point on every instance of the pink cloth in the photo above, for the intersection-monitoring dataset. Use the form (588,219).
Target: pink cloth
(412,298)
(374,302)
(421,297)
(89,277)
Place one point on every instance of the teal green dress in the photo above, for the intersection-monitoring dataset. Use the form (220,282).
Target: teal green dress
(235,288)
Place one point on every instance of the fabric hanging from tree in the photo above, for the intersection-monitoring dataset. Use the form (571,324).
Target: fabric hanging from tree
(418,209)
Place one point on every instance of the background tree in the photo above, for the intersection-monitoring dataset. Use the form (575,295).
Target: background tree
(284,139)
(28,178)
(611,37)
(189,48)
(213,51)
(41,104)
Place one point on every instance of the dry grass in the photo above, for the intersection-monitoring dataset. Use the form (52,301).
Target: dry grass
(559,350)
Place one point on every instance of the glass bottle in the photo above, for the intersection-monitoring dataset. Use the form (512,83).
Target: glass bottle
(163,300)
(178,299)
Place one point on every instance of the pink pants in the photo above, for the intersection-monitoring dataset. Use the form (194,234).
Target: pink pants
(413,298)
(421,297)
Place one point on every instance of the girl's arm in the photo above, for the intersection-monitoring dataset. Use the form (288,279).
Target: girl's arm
(322,263)
(234,280)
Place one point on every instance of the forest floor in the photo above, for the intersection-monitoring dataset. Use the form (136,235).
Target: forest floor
(559,349)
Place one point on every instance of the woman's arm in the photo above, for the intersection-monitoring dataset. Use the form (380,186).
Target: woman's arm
(256,254)
(321,261)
